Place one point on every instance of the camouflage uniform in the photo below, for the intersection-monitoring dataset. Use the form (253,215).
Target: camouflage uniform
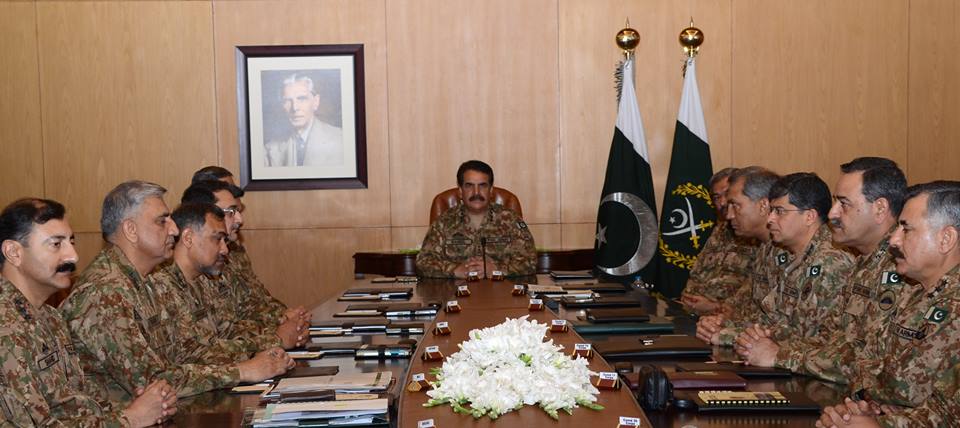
(804,291)
(745,303)
(451,241)
(203,344)
(258,304)
(242,306)
(723,266)
(868,300)
(125,332)
(41,383)
(913,359)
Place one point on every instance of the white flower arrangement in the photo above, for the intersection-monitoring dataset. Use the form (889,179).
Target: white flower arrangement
(504,367)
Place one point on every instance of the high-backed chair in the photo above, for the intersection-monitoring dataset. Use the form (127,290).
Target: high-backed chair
(451,198)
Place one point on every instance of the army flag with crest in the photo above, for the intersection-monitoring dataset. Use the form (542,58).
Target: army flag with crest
(688,214)
(627,216)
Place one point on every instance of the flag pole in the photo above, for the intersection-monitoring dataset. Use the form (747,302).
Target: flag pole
(690,38)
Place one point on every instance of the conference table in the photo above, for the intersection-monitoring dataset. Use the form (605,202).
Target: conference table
(489,303)
(404,263)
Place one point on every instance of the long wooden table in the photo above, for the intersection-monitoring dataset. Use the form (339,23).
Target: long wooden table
(489,303)
(395,263)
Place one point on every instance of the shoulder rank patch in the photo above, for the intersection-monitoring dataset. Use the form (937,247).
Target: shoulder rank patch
(815,270)
(521,224)
(937,315)
(890,278)
(781,258)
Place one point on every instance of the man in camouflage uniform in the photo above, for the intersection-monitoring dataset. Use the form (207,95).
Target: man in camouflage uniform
(803,300)
(199,258)
(456,241)
(124,325)
(908,369)
(746,216)
(867,201)
(804,277)
(41,382)
(240,304)
(724,264)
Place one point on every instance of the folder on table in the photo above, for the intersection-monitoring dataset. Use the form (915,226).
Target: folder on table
(742,370)
(608,315)
(381,293)
(658,327)
(665,346)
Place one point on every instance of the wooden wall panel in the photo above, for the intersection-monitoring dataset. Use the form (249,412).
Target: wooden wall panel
(21,166)
(816,84)
(546,235)
(588,58)
(467,80)
(403,238)
(934,146)
(127,94)
(579,235)
(307,266)
(309,22)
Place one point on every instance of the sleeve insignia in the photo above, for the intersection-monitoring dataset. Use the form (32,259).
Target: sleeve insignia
(937,315)
(521,224)
(815,270)
(886,300)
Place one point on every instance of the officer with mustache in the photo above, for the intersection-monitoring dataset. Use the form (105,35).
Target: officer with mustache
(41,381)
(907,368)
(458,239)
(124,323)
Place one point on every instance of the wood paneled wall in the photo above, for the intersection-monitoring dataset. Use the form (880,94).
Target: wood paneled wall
(94,93)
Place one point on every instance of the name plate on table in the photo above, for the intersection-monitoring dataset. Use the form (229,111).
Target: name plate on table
(536,305)
(497,275)
(418,382)
(473,276)
(452,306)
(463,291)
(626,422)
(441,329)
(432,353)
(426,424)
(584,350)
(607,380)
(559,326)
(519,290)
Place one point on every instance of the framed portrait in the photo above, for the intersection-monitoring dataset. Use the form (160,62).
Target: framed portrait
(301,117)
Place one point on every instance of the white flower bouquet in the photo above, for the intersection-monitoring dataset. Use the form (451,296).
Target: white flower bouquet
(507,366)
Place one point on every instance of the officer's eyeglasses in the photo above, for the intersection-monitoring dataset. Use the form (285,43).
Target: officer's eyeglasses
(778,211)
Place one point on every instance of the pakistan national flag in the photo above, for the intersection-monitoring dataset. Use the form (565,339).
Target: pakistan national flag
(626,219)
(688,214)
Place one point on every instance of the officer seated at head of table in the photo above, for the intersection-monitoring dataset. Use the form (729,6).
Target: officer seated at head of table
(456,241)
(41,381)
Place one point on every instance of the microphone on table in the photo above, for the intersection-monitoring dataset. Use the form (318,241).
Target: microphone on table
(483,254)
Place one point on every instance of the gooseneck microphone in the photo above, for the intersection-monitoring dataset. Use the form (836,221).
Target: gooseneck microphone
(483,254)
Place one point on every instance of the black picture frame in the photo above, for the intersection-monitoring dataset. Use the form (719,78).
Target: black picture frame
(301,117)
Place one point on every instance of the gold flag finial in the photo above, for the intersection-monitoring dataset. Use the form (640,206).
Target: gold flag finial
(691,38)
(628,39)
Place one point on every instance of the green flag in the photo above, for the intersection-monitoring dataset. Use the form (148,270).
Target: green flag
(688,215)
(627,216)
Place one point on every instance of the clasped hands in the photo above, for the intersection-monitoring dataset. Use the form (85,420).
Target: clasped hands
(859,413)
(755,344)
(293,327)
(474,264)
